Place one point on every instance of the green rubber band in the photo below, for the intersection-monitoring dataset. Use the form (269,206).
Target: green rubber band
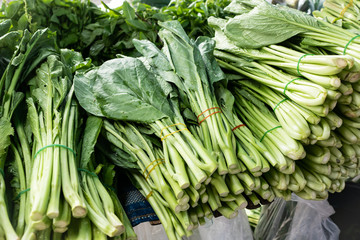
(2,172)
(298,63)
(21,193)
(268,132)
(54,145)
(285,88)
(279,103)
(88,172)
(346,46)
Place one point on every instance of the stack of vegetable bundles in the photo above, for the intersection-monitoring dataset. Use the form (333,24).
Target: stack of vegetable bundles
(58,189)
(306,80)
(267,107)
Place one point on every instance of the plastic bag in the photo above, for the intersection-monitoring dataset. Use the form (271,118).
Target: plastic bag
(297,219)
(214,229)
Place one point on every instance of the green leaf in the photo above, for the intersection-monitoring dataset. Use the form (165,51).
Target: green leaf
(125,90)
(5,132)
(70,38)
(137,24)
(206,47)
(116,154)
(180,53)
(160,65)
(243,6)
(162,17)
(23,22)
(40,45)
(128,11)
(10,40)
(91,133)
(13,8)
(154,55)
(108,174)
(74,61)
(87,37)
(49,74)
(17,98)
(226,101)
(262,25)
(33,119)
(5,27)
(96,48)
(83,83)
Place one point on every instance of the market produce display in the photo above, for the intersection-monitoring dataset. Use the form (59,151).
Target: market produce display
(207,106)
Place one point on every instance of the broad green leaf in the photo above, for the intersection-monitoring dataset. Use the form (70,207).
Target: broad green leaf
(242,6)
(160,65)
(262,25)
(108,174)
(206,47)
(128,11)
(96,48)
(23,22)
(176,28)
(8,44)
(162,17)
(46,83)
(69,39)
(83,83)
(126,90)
(12,8)
(40,45)
(223,42)
(5,27)
(139,25)
(123,89)
(87,37)
(152,53)
(190,116)
(181,54)
(74,61)
(91,133)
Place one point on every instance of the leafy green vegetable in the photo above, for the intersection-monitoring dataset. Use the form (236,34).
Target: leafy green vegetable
(91,133)
(193,15)
(260,26)
(125,90)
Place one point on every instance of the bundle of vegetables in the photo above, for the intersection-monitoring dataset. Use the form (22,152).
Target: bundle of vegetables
(22,61)
(311,93)
(42,160)
(97,173)
(103,33)
(194,140)
(193,14)
(83,26)
(177,159)
(342,13)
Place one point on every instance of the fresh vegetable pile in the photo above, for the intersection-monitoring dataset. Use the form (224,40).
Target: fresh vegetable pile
(266,105)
